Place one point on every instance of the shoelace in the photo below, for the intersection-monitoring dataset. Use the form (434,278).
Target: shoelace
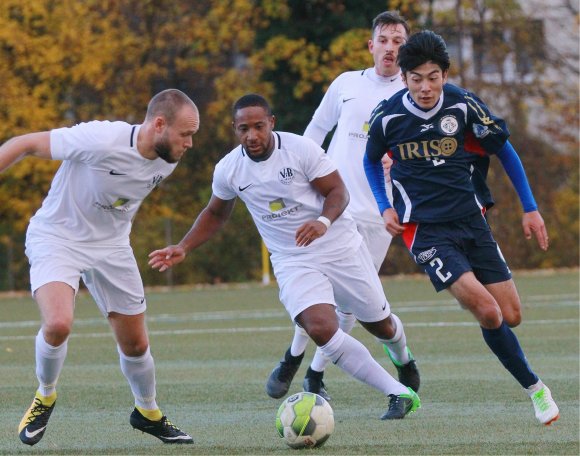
(395,402)
(38,409)
(541,401)
(169,425)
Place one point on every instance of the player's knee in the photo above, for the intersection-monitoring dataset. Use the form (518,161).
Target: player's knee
(135,348)
(489,317)
(321,333)
(512,318)
(56,332)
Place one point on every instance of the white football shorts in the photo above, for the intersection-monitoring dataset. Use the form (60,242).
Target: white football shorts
(377,239)
(351,283)
(110,273)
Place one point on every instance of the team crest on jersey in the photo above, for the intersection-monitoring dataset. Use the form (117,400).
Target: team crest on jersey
(286,175)
(448,125)
(425,256)
(155,181)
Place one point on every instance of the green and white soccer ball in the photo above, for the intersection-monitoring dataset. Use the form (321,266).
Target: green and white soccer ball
(305,420)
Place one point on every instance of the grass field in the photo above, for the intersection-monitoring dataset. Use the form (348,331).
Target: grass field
(214,348)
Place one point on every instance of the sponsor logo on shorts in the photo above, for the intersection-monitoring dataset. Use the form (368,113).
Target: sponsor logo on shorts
(425,256)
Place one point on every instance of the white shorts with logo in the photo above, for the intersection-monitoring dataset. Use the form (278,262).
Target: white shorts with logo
(377,239)
(350,283)
(110,273)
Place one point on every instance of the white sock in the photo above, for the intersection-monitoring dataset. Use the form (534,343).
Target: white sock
(140,373)
(346,322)
(354,358)
(300,341)
(319,361)
(49,362)
(397,346)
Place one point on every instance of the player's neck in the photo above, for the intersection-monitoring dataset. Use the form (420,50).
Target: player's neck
(145,143)
(385,77)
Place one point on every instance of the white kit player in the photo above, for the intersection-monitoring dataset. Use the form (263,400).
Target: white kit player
(296,199)
(347,105)
(82,231)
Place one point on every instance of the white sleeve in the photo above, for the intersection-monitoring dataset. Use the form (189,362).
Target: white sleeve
(326,115)
(83,142)
(317,162)
(315,132)
(220,185)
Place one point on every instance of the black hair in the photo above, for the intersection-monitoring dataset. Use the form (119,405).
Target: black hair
(423,47)
(389,18)
(251,99)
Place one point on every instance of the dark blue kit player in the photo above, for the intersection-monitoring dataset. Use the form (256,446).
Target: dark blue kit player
(440,137)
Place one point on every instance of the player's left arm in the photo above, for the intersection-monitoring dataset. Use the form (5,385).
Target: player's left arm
(532,221)
(31,144)
(336,198)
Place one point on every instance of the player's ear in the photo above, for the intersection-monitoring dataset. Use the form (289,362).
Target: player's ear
(159,123)
(404,78)
(445,74)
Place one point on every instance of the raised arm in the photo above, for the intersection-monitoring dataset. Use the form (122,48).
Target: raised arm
(210,220)
(15,149)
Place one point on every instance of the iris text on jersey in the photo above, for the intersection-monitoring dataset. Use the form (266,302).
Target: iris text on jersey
(435,148)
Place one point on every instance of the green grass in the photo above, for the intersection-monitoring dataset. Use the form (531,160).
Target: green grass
(214,347)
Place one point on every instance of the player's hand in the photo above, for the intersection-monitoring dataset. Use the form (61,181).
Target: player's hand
(163,259)
(387,163)
(532,222)
(309,232)
(392,224)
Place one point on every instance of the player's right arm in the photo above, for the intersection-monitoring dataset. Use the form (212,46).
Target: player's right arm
(326,115)
(31,144)
(210,220)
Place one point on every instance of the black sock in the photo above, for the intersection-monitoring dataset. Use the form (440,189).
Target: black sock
(292,359)
(310,373)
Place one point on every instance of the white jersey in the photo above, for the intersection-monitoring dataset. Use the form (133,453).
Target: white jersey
(348,104)
(280,197)
(100,185)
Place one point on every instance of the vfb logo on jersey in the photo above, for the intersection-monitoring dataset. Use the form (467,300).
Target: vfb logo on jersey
(448,125)
(286,175)
(155,181)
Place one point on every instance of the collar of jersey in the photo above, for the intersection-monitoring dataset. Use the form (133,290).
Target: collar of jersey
(277,145)
(414,109)
(373,76)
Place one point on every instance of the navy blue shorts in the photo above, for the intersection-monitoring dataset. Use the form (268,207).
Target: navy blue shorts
(447,250)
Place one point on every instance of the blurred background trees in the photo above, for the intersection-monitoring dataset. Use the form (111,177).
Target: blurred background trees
(65,61)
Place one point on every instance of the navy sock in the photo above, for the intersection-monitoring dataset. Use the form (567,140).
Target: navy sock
(504,344)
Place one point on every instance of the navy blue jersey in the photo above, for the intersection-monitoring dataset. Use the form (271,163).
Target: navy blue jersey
(436,153)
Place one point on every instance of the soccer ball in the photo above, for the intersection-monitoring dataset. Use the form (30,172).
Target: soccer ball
(305,420)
